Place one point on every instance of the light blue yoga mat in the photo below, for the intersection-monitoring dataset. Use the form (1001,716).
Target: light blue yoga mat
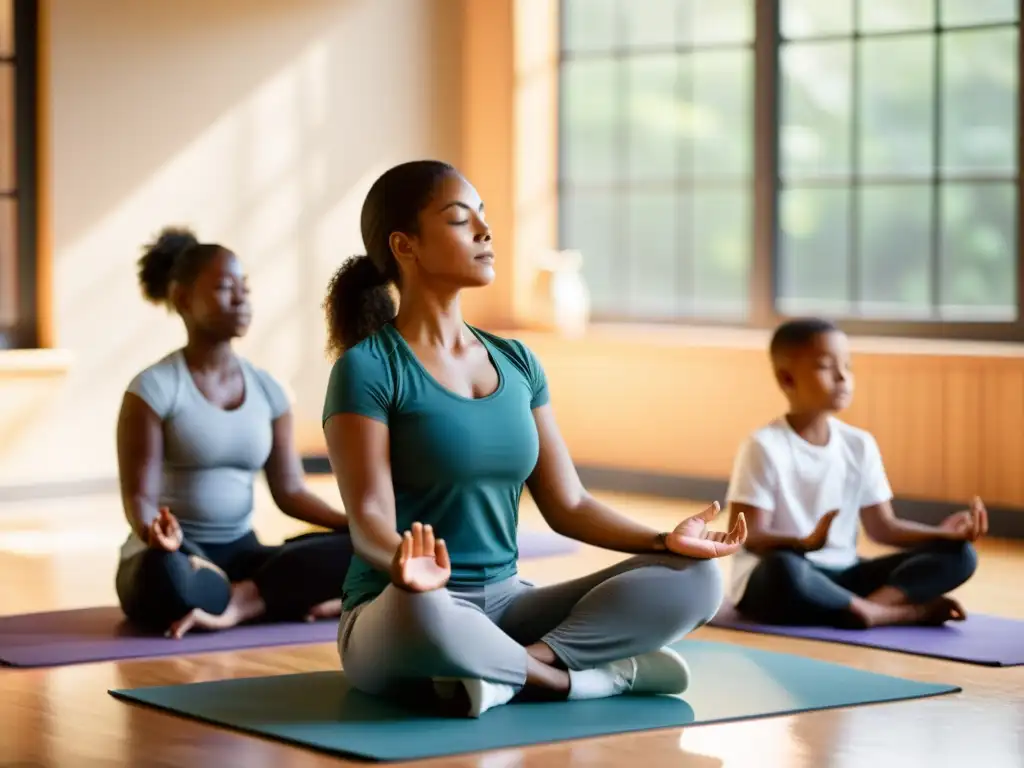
(319,711)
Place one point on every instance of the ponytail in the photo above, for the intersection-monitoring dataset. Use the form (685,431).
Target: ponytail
(358,304)
(359,300)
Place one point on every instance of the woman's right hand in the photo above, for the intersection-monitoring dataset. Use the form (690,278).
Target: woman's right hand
(164,533)
(420,563)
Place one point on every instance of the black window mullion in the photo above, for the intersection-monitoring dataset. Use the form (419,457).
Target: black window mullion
(765,182)
(1020,159)
(935,268)
(682,184)
(26,332)
(853,230)
(623,218)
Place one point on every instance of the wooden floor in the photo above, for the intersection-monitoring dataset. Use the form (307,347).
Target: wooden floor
(62,554)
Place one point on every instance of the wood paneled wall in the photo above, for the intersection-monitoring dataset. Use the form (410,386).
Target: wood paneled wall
(948,417)
(950,424)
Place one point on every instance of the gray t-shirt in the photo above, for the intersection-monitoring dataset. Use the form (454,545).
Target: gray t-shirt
(211,455)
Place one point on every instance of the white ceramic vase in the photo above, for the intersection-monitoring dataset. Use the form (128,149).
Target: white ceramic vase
(562,297)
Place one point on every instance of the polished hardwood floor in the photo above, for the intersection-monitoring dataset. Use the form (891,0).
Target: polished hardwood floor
(62,553)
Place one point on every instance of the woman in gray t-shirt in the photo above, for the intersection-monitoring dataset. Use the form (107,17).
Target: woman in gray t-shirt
(195,428)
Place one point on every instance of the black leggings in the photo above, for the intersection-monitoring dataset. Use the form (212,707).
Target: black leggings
(787,588)
(157,588)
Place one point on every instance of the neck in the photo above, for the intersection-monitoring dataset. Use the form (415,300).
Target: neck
(206,354)
(430,318)
(811,426)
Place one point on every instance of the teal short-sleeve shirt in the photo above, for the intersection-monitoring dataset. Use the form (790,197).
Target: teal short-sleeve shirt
(457,463)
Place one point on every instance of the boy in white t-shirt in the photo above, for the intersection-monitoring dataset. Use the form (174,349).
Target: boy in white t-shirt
(804,482)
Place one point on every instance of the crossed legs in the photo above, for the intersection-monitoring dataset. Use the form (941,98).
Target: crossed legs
(219,586)
(904,588)
(542,641)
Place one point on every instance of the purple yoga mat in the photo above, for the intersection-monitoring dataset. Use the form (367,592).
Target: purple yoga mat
(536,544)
(987,640)
(101,634)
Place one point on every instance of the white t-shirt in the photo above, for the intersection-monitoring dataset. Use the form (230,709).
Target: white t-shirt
(796,483)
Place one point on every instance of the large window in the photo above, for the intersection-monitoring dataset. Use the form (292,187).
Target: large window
(742,161)
(17,173)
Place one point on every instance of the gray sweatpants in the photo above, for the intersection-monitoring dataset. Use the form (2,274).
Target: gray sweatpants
(633,607)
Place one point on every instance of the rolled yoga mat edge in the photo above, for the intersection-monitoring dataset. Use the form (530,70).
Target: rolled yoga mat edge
(319,711)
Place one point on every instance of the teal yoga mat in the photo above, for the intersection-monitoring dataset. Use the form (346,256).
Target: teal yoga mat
(319,711)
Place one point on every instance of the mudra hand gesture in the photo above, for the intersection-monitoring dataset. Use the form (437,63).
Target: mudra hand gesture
(818,538)
(420,563)
(967,525)
(164,532)
(692,538)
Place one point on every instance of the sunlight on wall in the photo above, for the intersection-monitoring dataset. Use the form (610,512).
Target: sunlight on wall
(277,172)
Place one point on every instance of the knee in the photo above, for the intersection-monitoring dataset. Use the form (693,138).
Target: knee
(423,620)
(782,570)
(413,638)
(155,572)
(709,589)
(694,595)
(962,559)
(151,589)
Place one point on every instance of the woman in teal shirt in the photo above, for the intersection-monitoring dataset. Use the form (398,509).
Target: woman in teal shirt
(433,427)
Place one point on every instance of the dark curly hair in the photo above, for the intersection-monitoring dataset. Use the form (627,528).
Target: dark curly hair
(359,301)
(175,256)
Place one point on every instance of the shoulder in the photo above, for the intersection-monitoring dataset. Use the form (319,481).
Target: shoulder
(768,439)
(515,351)
(525,362)
(374,356)
(364,379)
(272,389)
(166,368)
(158,384)
(761,452)
(857,441)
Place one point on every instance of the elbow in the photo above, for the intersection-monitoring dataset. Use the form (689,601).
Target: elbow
(877,532)
(284,494)
(282,499)
(885,538)
(368,521)
(562,515)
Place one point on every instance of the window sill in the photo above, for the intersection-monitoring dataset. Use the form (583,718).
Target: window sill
(758,339)
(35,361)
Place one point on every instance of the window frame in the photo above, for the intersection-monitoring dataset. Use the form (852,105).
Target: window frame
(767,185)
(25,332)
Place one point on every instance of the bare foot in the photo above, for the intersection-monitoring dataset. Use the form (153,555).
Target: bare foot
(941,610)
(328,609)
(197,618)
(872,614)
(245,604)
(933,613)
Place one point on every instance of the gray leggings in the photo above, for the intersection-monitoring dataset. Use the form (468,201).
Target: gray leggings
(633,607)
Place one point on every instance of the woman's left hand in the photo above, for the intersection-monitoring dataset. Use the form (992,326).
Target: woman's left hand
(692,538)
